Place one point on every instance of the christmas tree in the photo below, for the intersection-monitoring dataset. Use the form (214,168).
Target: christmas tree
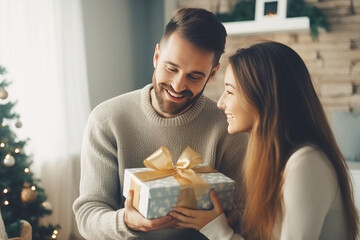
(21,197)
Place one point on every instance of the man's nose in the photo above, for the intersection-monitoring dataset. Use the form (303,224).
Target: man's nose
(179,83)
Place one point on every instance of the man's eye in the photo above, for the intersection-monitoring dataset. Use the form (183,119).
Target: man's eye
(171,69)
(194,78)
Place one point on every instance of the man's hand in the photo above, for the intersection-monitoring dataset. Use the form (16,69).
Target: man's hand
(135,221)
(197,219)
(231,217)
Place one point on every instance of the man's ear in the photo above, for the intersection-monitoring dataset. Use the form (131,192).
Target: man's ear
(156,55)
(213,72)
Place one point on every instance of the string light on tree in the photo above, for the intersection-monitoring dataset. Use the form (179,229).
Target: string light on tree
(9,160)
(26,170)
(54,234)
(17,150)
(5,191)
(6,203)
(47,205)
(2,145)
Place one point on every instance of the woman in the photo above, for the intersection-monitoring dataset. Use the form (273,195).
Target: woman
(296,179)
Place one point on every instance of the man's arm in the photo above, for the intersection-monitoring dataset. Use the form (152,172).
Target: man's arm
(97,209)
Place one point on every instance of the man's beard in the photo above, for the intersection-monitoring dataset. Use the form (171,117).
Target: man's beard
(170,107)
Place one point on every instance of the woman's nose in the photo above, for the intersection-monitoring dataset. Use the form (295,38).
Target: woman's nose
(220,104)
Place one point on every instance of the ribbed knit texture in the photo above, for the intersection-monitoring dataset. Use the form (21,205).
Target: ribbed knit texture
(313,207)
(121,133)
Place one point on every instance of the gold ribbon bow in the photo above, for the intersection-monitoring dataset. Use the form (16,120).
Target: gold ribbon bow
(192,186)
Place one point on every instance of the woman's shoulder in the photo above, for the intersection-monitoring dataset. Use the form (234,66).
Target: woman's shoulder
(310,162)
(308,156)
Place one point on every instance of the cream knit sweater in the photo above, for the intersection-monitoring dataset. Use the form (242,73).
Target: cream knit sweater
(121,133)
(313,208)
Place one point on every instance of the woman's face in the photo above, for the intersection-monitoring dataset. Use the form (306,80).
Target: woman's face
(234,105)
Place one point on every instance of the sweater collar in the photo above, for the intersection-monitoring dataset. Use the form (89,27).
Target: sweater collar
(182,119)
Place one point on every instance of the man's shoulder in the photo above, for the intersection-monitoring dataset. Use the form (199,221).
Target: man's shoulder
(211,105)
(213,112)
(117,105)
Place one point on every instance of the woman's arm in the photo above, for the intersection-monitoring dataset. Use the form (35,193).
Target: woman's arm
(310,187)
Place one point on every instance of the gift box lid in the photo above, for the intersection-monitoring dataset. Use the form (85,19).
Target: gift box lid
(158,188)
(168,186)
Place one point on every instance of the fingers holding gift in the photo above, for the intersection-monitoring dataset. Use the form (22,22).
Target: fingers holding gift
(216,202)
(135,221)
(197,219)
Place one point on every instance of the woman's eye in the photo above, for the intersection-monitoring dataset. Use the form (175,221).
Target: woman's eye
(228,92)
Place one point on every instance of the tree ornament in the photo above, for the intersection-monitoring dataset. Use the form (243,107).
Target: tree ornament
(18,124)
(28,195)
(47,205)
(9,160)
(3,93)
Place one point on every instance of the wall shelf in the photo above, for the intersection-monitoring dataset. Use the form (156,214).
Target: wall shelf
(270,25)
(270,17)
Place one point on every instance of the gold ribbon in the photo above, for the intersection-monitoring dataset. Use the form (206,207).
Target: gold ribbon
(192,186)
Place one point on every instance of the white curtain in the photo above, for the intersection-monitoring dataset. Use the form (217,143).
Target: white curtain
(42,47)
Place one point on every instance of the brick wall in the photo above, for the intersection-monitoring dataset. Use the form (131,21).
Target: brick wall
(333,60)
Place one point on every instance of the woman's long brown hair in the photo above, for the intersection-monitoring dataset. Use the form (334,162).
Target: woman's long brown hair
(287,114)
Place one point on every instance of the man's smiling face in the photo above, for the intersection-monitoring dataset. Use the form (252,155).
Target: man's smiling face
(181,73)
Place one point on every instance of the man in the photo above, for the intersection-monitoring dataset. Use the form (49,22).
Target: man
(170,112)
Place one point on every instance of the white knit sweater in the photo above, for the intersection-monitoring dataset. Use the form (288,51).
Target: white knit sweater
(313,208)
(121,133)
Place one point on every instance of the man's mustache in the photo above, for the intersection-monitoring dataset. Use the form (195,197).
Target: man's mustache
(170,88)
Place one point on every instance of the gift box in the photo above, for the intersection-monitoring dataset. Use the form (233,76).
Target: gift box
(186,184)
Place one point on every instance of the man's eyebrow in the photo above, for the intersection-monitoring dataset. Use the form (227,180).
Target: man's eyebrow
(228,84)
(171,63)
(193,72)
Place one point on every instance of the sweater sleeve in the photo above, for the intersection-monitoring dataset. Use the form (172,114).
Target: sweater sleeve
(231,165)
(218,229)
(97,209)
(309,190)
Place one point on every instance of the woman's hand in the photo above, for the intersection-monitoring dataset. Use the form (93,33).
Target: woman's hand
(197,219)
